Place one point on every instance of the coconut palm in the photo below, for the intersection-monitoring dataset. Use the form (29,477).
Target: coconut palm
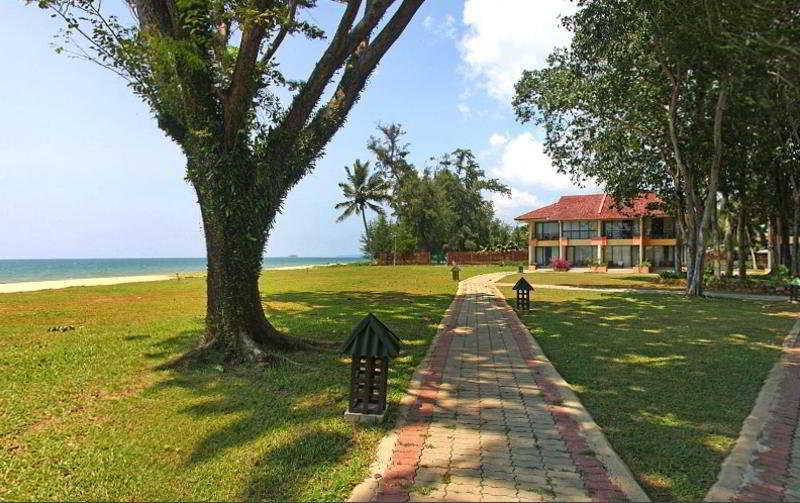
(363,191)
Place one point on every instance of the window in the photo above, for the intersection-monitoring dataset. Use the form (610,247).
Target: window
(660,256)
(545,254)
(580,256)
(662,228)
(622,256)
(546,230)
(621,229)
(580,229)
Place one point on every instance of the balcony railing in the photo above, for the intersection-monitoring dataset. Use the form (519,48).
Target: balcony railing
(621,234)
(661,235)
(547,236)
(580,234)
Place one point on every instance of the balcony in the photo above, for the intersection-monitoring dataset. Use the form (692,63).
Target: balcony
(580,234)
(547,236)
(661,235)
(621,234)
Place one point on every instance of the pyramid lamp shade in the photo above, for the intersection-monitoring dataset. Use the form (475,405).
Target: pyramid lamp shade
(371,346)
(523,289)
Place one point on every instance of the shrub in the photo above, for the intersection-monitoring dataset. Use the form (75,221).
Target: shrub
(560,264)
(645,263)
(596,262)
(670,275)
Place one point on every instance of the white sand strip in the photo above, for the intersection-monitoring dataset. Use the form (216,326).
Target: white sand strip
(32,286)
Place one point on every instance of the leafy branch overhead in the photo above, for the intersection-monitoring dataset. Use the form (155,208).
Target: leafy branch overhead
(209,68)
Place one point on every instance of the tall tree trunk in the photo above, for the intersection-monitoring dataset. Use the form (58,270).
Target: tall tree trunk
(744,239)
(717,242)
(366,231)
(750,246)
(235,320)
(772,240)
(796,226)
(697,224)
(730,233)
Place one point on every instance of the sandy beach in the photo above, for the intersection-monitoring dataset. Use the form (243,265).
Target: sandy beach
(32,286)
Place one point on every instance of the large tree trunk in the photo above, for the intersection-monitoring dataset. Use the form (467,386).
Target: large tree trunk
(772,231)
(728,237)
(796,226)
(744,239)
(235,232)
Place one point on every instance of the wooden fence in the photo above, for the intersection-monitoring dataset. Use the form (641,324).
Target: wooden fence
(418,258)
(462,258)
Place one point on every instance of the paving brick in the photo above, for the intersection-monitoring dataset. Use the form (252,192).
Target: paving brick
(485,424)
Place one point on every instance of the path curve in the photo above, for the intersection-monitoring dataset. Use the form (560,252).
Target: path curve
(764,464)
(488,418)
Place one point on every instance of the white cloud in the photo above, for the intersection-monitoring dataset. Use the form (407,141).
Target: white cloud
(501,42)
(465,110)
(519,200)
(497,140)
(446,28)
(521,160)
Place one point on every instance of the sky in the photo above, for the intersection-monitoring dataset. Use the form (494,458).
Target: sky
(85,172)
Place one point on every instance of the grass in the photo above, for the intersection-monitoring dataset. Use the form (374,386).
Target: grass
(669,379)
(84,415)
(596,279)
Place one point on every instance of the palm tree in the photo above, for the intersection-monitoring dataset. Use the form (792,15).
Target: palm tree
(363,191)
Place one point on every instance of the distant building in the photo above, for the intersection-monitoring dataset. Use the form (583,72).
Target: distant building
(584,228)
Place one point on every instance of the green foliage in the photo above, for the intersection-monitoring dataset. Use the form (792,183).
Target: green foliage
(383,236)
(361,191)
(670,275)
(443,206)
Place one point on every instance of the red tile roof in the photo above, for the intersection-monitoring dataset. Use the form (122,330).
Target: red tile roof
(593,207)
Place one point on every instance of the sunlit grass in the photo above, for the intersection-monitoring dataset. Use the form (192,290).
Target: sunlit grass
(670,380)
(84,415)
(598,280)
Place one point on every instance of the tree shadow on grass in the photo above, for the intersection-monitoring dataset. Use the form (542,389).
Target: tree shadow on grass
(669,379)
(296,407)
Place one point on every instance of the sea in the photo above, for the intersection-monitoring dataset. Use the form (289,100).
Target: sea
(15,271)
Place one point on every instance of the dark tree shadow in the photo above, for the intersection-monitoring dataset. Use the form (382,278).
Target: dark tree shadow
(293,413)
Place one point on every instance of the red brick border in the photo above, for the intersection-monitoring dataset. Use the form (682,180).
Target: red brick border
(594,474)
(397,480)
(773,463)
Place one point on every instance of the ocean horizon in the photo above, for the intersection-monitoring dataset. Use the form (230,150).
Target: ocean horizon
(23,270)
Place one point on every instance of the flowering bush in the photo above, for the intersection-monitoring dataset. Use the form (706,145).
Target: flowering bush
(560,264)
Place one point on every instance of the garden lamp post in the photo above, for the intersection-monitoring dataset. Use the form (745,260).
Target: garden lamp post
(523,289)
(371,346)
(455,270)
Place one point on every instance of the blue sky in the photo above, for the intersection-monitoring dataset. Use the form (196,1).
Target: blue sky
(85,172)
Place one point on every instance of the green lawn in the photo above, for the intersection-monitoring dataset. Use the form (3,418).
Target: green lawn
(595,279)
(84,415)
(669,379)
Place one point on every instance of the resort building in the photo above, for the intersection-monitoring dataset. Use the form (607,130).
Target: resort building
(582,229)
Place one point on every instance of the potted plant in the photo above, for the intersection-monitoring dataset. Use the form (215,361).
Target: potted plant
(644,267)
(560,264)
(597,265)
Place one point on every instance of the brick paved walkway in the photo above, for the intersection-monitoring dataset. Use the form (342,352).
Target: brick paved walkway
(765,462)
(489,419)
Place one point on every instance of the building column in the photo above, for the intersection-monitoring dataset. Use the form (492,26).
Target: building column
(600,235)
(641,240)
(562,250)
(530,244)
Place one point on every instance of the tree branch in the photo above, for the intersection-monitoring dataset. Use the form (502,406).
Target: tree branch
(331,117)
(278,40)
